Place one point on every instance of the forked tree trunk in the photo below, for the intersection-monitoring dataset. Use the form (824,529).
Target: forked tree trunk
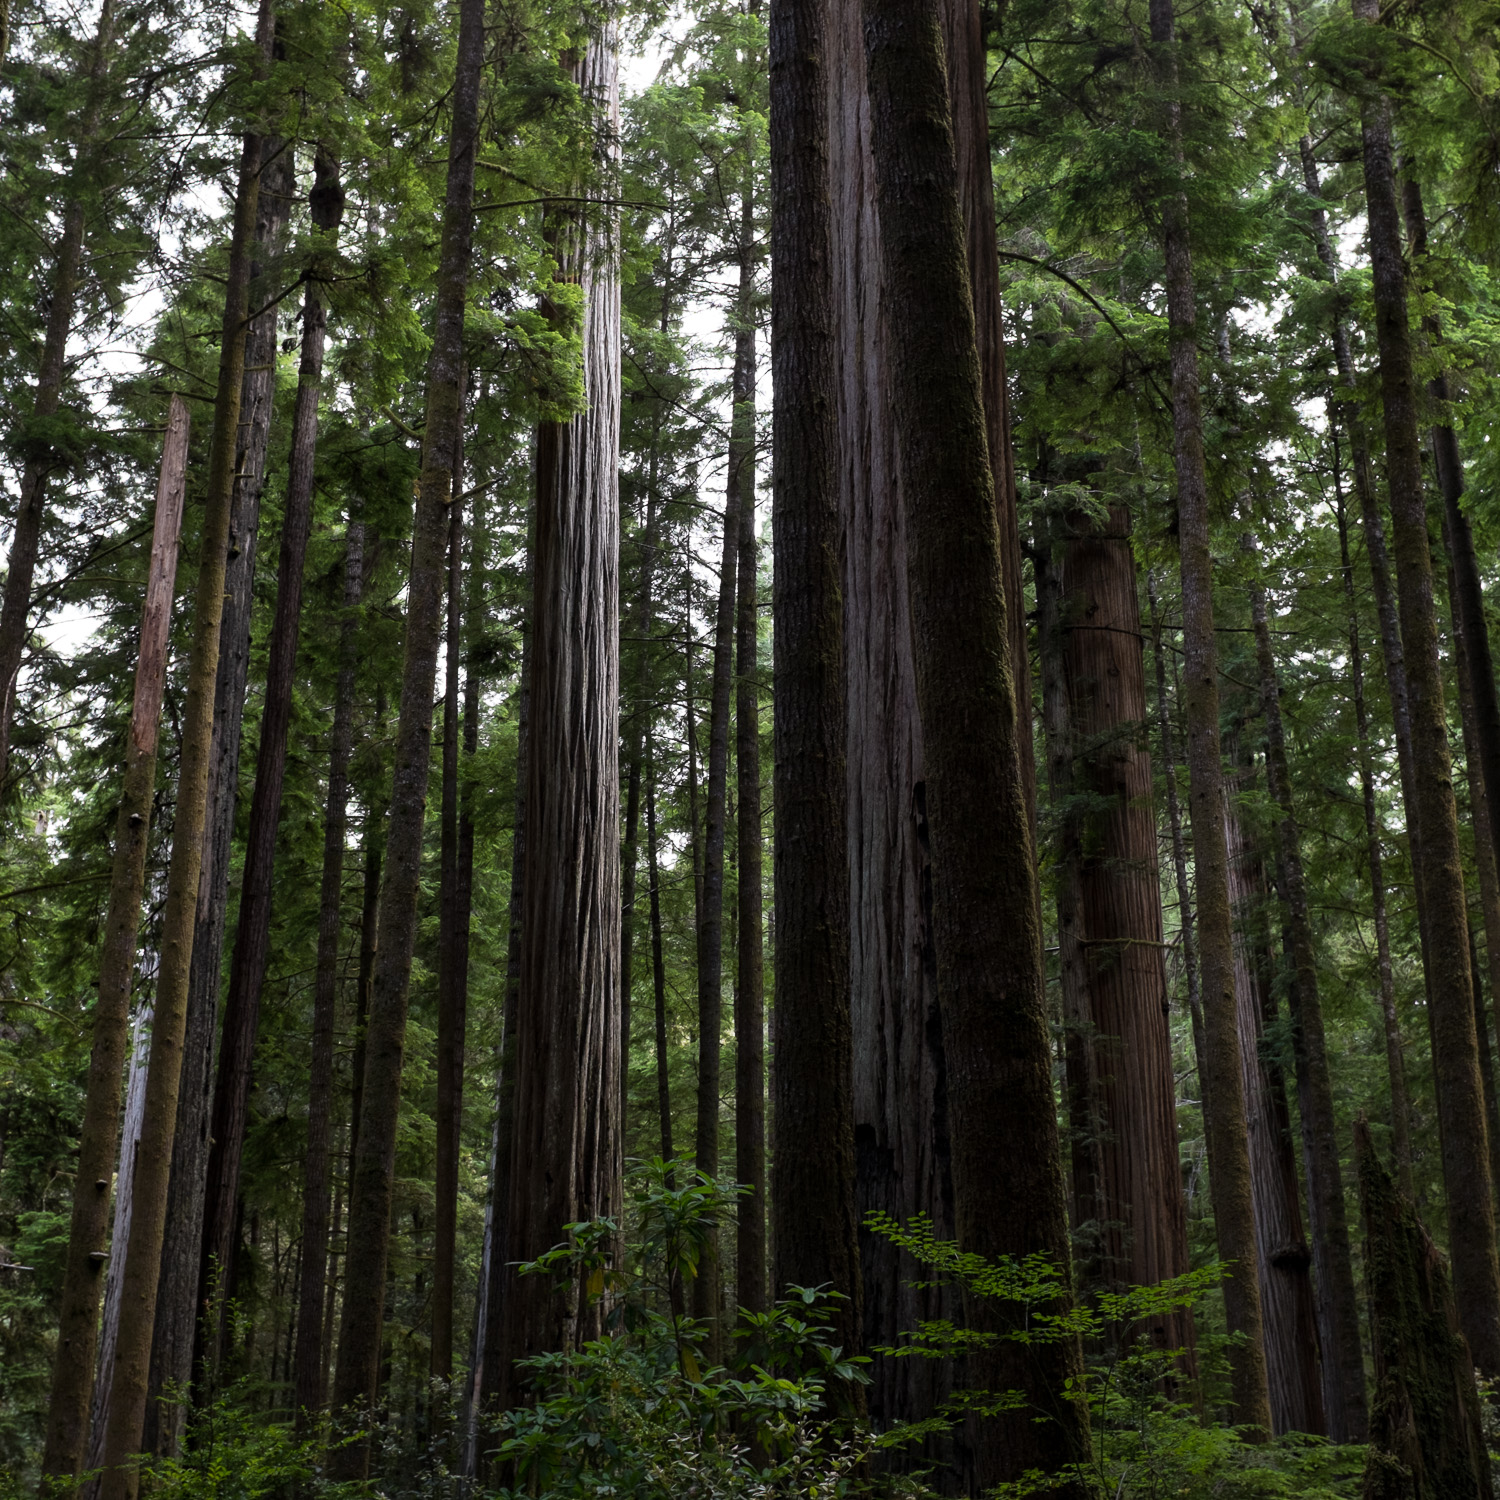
(1224,1104)
(252,946)
(62,298)
(177,1306)
(312,1280)
(1007,1178)
(567,1153)
(1338,1306)
(813,1228)
(357,1373)
(1462,1129)
(98,1135)
(127,1403)
(1282,1254)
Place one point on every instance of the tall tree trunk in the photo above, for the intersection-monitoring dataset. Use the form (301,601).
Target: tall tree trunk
(313,1268)
(984,898)
(1338,1306)
(658,965)
(67,270)
(751,1288)
(706,1284)
(566,1159)
(1390,1022)
(98,1135)
(1282,1254)
(177,1307)
(453,982)
(1234,1218)
(1179,844)
(1124,968)
(357,1373)
(127,1403)
(252,946)
(1462,1130)
(487,1373)
(813,1227)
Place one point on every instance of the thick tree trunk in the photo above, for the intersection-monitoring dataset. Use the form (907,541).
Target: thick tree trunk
(357,1373)
(128,1391)
(1338,1306)
(1224,1105)
(453,975)
(1390,1022)
(567,1153)
(252,946)
(1462,1129)
(1124,970)
(177,1307)
(311,1359)
(98,1135)
(67,270)
(813,1227)
(751,1287)
(1007,1178)
(706,1284)
(1282,1254)
(1426,1436)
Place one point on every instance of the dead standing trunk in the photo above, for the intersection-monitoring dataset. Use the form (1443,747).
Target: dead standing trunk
(357,1373)
(1462,1128)
(311,1356)
(1224,1104)
(98,1136)
(252,946)
(984,899)
(1338,1306)
(128,1390)
(567,1152)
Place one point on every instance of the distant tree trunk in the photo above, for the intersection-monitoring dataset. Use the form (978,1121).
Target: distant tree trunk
(453,976)
(1391,1025)
(984,896)
(1179,846)
(751,1289)
(1338,1306)
(813,1226)
(312,1278)
(1222,1088)
(61,299)
(1124,970)
(695,827)
(1465,588)
(357,1373)
(658,966)
(369,919)
(177,1306)
(1426,1437)
(706,1298)
(98,1134)
(1462,1131)
(1282,1254)
(128,1390)
(252,946)
(567,1152)
(487,1376)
